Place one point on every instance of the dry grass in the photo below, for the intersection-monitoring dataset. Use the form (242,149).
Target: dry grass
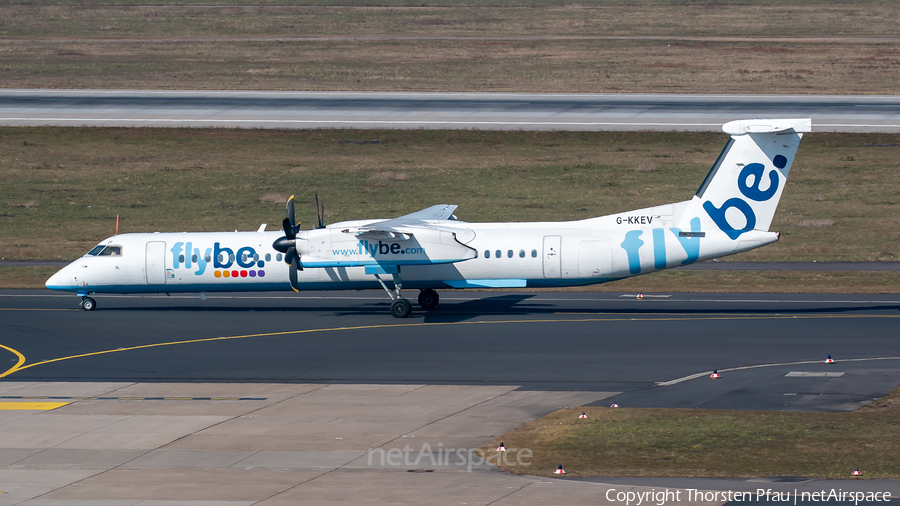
(25,277)
(711,443)
(273,198)
(164,48)
(463,65)
(393,176)
(454,17)
(816,223)
(646,167)
(758,282)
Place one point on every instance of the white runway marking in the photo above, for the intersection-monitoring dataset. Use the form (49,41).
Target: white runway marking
(707,373)
(373,122)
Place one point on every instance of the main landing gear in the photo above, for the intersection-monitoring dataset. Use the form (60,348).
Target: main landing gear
(400,307)
(87,303)
(428,299)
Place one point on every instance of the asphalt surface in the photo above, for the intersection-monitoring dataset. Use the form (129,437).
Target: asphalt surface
(488,111)
(545,341)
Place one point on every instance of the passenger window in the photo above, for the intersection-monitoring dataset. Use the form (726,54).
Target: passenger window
(278,258)
(208,258)
(268,257)
(194,258)
(181,258)
(256,257)
(534,253)
(509,254)
(231,257)
(487,253)
(244,257)
(521,253)
(499,254)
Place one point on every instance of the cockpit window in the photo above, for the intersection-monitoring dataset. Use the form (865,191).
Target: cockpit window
(96,251)
(111,251)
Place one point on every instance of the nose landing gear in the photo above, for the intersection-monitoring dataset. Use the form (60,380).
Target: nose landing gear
(400,307)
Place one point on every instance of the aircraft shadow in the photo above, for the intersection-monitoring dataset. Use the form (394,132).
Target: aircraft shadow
(512,305)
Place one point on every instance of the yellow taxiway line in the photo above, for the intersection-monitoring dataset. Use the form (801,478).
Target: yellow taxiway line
(31,406)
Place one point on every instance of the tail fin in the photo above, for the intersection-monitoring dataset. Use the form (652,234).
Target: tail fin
(743,188)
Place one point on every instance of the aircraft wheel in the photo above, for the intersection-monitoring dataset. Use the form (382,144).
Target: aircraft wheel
(89,304)
(428,299)
(401,308)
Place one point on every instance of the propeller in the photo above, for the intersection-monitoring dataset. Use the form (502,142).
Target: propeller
(288,244)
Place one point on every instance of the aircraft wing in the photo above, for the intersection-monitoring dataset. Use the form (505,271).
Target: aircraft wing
(417,223)
(433,213)
(407,223)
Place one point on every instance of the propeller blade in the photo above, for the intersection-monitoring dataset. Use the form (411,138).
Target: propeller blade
(289,232)
(289,212)
(320,214)
(293,274)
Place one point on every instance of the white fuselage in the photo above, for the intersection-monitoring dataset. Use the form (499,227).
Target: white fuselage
(474,255)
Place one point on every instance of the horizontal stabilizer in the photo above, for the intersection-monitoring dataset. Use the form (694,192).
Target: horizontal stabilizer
(767,126)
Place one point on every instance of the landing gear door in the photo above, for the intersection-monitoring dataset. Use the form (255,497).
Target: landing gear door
(552,257)
(156,263)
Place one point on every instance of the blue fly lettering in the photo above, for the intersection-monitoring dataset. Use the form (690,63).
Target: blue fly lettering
(659,248)
(632,246)
(691,245)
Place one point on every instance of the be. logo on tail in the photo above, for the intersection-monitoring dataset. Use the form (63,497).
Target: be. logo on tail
(752,192)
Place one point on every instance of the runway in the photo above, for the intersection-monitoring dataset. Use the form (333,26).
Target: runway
(656,352)
(486,111)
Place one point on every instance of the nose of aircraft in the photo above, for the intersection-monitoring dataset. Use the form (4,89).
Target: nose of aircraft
(53,282)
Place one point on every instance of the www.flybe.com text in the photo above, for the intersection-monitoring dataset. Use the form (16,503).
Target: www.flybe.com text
(372,249)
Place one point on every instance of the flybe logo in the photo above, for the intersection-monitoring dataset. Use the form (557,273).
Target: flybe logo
(225,261)
(750,191)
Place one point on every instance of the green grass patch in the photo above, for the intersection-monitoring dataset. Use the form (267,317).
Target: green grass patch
(25,277)
(711,443)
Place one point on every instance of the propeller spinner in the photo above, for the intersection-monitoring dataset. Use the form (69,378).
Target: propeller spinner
(288,244)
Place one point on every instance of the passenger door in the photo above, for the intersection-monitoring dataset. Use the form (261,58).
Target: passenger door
(156,263)
(552,257)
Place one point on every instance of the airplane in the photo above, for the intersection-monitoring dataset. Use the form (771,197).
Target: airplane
(431,249)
